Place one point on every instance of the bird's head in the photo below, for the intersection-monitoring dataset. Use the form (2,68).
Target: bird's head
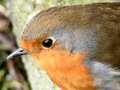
(58,35)
(60,39)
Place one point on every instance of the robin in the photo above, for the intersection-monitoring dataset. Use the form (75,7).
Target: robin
(78,46)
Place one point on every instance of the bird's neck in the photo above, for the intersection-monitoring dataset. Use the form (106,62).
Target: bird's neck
(66,70)
(77,78)
(105,77)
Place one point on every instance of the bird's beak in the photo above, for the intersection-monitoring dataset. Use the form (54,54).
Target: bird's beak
(19,52)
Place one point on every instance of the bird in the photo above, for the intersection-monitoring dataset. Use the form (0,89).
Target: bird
(78,46)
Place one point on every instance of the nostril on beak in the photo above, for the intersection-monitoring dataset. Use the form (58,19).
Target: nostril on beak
(19,52)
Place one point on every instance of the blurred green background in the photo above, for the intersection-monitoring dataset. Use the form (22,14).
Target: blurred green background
(18,74)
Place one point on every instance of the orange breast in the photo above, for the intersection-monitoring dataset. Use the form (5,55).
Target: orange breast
(66,70)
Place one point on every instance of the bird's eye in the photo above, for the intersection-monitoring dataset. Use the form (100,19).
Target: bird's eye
(48,43)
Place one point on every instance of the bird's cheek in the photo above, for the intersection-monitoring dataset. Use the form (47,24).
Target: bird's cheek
(52,59)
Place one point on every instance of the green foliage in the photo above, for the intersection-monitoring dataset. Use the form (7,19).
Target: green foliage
(2,73)
(3,2)
(71,2)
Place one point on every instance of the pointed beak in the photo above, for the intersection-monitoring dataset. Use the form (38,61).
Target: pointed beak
(19,52)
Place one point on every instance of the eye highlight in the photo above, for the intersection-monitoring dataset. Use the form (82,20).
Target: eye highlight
(49,42)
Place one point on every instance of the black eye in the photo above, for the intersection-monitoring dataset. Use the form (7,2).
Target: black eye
(48,43)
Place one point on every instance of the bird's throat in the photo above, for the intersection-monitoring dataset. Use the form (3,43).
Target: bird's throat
(66,70)
(77,78)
